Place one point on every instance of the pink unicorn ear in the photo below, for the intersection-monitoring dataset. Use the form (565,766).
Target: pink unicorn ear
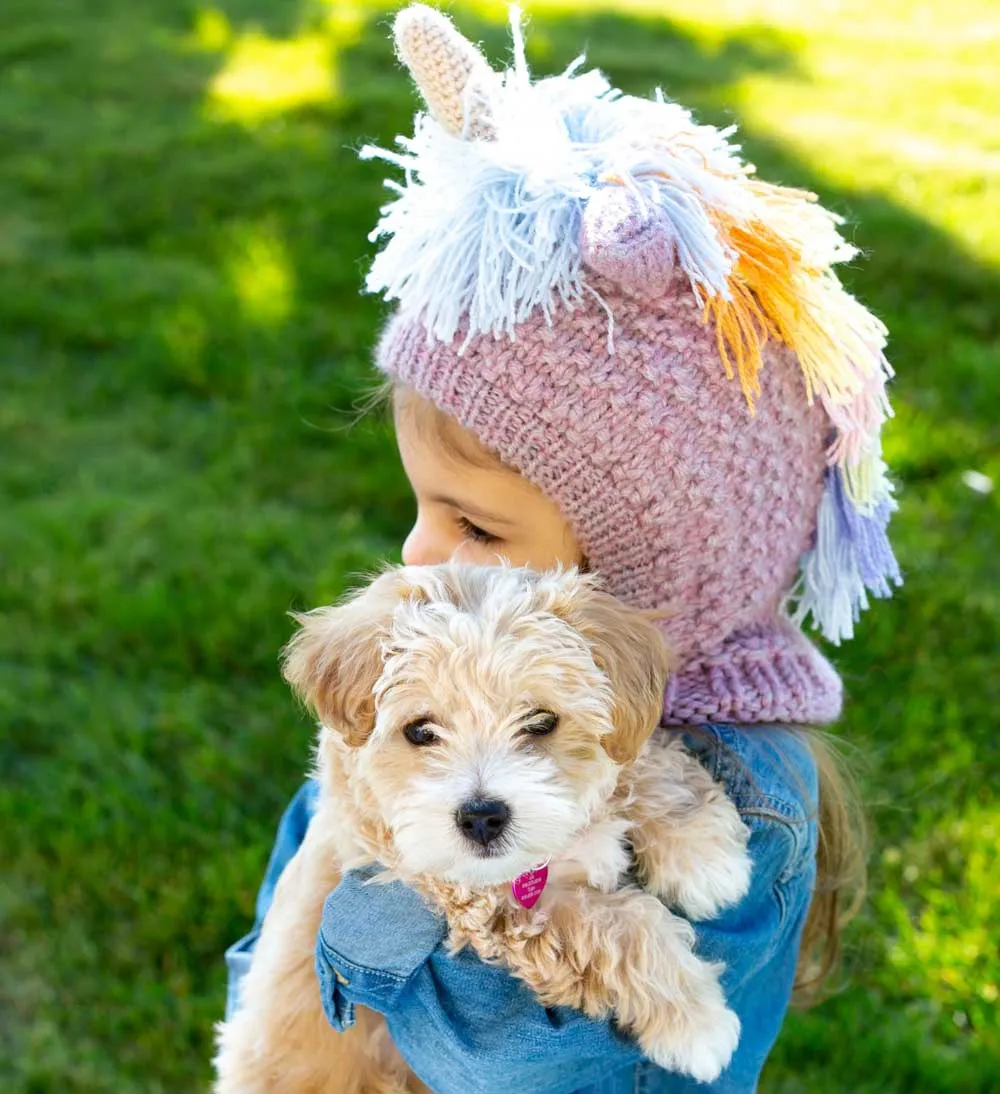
(628,241)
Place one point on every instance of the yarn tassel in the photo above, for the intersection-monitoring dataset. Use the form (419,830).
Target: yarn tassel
(851,558)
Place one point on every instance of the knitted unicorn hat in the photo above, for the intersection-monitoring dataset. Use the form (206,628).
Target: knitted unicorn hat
(601,291)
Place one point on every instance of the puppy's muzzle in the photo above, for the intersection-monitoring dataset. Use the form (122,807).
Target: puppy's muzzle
(482,821)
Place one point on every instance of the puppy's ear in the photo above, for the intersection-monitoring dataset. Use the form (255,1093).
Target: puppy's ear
(630,649)
(335,659)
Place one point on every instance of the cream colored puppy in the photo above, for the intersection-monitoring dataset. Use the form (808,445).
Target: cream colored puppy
(477,723)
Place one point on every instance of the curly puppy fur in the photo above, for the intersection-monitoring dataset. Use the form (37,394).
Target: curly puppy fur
(441,686)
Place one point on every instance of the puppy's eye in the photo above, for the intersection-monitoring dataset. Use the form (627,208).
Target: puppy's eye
(419,733)
(540,723)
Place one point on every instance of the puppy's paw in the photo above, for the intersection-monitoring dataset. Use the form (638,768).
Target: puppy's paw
(690,1028)
(720,879)
(699,1042)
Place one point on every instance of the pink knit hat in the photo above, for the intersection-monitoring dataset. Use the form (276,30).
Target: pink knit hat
(603,294)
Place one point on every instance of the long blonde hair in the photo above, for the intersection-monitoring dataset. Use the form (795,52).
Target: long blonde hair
(842,849)
(841,868)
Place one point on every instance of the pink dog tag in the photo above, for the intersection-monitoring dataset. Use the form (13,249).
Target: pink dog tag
(529,885)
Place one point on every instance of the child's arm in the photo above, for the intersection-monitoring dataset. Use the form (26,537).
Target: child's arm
(291,833)
(469,1028)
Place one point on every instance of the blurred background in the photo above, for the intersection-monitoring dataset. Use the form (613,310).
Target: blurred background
(183,224)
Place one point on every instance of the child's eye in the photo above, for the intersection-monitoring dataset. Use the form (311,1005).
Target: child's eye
(473,531)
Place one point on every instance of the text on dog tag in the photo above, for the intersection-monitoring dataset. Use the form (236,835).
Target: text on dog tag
(529,885)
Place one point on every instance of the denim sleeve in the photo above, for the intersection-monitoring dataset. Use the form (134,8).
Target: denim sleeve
(462,1026)
(468,1028)
(291,832)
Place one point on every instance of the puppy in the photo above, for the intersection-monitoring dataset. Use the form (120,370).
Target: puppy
(486,736)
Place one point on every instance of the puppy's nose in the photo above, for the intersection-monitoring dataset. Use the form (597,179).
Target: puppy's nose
(482,821)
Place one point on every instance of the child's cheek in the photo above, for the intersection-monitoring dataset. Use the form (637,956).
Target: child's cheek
(481,554)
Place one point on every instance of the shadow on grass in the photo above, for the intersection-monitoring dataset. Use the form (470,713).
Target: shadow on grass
(182,340)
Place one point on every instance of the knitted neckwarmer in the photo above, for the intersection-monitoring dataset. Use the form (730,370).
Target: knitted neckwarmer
(766,673)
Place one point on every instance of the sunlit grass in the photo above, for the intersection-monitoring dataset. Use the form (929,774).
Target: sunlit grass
(264,76)
(944,950)
(261,273)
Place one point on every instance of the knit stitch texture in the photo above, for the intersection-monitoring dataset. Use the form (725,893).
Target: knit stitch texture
(681,498)
(602,292)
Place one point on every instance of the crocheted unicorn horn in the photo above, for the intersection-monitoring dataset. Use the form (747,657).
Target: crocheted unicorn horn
(450,72)
(521,197)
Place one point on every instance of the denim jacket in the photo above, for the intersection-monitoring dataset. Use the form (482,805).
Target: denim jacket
(468,1028)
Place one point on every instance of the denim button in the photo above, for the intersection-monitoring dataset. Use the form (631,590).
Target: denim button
(338,1010)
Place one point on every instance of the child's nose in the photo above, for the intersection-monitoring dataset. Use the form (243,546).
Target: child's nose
(423,548)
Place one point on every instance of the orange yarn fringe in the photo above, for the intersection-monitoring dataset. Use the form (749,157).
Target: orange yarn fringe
(762,305)
(777,292)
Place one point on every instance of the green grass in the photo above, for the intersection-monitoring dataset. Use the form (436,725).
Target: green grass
(182,236)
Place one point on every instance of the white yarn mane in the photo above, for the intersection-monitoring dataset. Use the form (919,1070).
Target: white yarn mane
(483,232)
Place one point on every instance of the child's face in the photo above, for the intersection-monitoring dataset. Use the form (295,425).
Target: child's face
(476,514)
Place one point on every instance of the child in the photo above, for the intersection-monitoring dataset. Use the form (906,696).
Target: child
(615,348)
